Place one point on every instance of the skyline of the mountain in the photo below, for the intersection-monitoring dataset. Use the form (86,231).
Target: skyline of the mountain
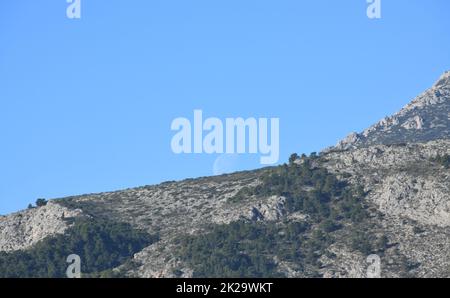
(430,108)
(86,104)
(424,119)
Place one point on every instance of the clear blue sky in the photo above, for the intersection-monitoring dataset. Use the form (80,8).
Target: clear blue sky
(86,105)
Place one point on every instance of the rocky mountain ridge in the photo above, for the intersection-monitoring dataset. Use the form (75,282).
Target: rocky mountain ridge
(424,119)
(406,194)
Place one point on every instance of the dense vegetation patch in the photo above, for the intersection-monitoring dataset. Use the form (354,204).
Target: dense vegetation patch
(247,249)
(101,245)
(311,189)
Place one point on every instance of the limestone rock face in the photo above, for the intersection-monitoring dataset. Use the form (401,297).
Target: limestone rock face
(23,229)
(401,179)
(415,122)
(271,210)
(412,193)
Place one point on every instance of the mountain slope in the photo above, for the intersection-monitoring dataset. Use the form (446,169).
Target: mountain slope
(426,118)
(386,192)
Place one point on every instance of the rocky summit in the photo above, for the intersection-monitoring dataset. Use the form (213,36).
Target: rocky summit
(424,119)
(384,192)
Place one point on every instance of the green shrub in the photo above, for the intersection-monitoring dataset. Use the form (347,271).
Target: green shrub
(41,202)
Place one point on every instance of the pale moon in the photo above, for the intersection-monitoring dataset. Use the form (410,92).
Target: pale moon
(226,163)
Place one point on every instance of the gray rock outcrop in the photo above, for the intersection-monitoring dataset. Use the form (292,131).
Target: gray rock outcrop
(23,229)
